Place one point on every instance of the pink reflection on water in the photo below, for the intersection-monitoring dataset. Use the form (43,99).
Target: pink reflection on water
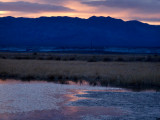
(72,97)
(79,111)
(65,111)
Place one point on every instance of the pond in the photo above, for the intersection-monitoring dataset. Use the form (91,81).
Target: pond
(40,100)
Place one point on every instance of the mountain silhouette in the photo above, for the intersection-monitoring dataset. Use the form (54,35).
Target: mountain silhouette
(77,32)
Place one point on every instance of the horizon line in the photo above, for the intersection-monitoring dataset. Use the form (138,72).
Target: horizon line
(85,18)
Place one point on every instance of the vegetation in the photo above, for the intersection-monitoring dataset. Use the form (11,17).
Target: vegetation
(120,73)
(82,57)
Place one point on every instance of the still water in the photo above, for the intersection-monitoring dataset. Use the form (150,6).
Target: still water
(40,100)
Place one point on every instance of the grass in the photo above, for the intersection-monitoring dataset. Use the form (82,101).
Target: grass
(82,57)
(119,73)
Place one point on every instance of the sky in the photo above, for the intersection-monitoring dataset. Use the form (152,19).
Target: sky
(147,11)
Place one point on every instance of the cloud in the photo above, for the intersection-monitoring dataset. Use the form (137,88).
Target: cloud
(32,7)
(148,6)
(143,10)
(50,2)
(148,19)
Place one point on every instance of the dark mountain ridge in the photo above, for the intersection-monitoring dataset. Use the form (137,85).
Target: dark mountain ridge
(77,32)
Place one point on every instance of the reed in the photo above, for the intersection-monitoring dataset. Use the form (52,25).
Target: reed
(105,73)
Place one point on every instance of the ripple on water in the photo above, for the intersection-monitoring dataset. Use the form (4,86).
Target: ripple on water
(50,101)
(19,96)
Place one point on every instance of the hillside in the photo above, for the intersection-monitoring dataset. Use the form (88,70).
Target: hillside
(77,32)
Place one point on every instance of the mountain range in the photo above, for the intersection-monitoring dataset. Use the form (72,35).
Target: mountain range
(77,32)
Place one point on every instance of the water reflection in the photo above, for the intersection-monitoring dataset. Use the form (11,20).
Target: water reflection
(28,99)
(72,96)
(36,100)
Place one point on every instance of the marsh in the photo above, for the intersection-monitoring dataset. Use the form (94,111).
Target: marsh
(115,70)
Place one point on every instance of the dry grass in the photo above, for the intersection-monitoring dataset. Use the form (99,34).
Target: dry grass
(82,57)
(106,73)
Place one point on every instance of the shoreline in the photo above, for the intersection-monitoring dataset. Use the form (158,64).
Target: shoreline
(114,73)
(139,86)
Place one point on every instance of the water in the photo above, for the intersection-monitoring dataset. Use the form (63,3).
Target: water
(40,100)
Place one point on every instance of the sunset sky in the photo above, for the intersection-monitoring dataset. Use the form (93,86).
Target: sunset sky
(143,10)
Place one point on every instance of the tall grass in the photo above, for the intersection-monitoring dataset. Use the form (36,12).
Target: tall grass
(105,73)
